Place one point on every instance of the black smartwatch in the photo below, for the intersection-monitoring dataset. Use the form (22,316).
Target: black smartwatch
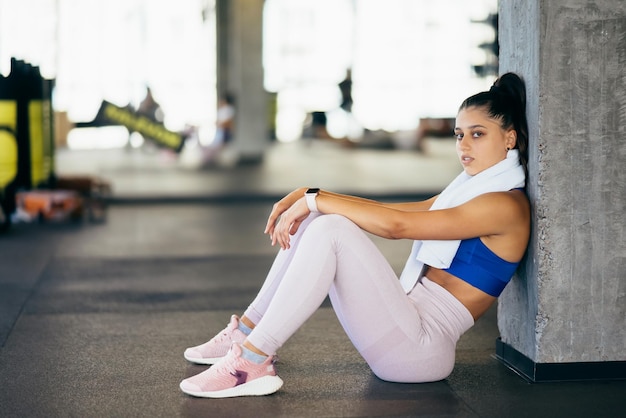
(310,196)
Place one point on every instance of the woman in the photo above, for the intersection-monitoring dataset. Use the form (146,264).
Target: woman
(468,242)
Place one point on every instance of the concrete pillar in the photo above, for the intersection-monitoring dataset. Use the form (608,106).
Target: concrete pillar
(240,72)
(564,316)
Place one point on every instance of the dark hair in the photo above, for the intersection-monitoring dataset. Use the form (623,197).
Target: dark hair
(228,98)
(506,101)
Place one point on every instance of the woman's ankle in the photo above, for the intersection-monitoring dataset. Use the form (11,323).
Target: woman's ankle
(252,353)
(245,325)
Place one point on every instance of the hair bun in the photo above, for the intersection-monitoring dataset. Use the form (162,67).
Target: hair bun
(495,89)
(512,86)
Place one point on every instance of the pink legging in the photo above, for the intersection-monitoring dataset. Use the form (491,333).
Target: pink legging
(403,338)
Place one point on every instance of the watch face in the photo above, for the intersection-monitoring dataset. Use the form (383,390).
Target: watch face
(313,191)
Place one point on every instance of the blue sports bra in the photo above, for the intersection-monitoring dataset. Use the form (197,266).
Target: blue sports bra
(477,265)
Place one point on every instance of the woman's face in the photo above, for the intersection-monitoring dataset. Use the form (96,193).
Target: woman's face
(480,140)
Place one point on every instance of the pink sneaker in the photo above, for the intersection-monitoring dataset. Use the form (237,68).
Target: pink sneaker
(234,376)
(218,346)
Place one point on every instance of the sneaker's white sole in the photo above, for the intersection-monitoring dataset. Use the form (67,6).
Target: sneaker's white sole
(200,360)
(258,387)
(211,360)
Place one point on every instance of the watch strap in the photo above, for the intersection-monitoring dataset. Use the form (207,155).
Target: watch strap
(310,196)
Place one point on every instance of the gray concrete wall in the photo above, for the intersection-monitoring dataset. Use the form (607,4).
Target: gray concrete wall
(568,303)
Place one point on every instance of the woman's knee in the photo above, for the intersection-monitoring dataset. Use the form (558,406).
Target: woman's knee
(332,222)
(334,229)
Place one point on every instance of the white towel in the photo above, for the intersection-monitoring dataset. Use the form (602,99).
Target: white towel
(508,174)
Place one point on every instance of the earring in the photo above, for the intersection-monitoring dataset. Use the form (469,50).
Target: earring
(508,148)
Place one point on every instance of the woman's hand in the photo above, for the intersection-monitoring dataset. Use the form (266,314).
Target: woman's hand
(286,216)
(289,222)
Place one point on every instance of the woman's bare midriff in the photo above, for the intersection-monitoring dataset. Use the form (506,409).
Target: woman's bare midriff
(476,301)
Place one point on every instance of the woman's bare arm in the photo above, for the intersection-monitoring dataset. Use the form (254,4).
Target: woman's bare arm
(488,214)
